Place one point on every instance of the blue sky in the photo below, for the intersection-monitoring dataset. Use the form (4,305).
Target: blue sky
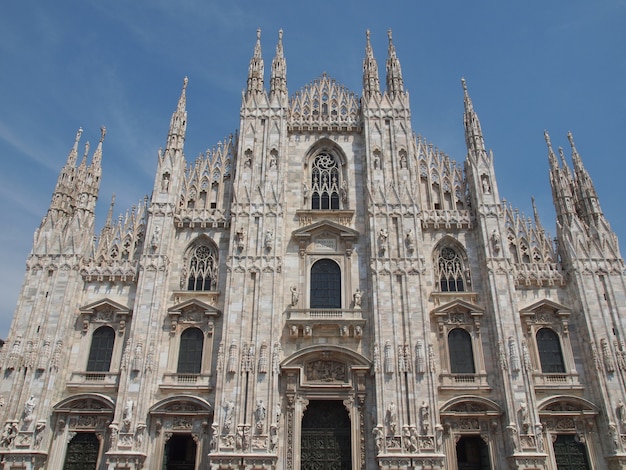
(532,65)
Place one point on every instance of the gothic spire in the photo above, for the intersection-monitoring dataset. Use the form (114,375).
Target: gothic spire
(178,123)
(473,132)
(256,68)
(97,156)
(371,82)
(561,185)
(73,155)
(585,190)
(395,85)
(536,215)
(278,82)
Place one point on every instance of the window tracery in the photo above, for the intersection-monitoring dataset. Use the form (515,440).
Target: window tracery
(202,269)
(325,182)
(450,270)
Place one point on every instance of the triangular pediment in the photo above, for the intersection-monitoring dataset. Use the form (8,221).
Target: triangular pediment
(345,233)
(546,304)
(458,306)
(196,306)
(105,304)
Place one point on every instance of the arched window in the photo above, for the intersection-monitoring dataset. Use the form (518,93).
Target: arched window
(550,354)
(450,270)
(325,182)
(325,284)
(202,269)
(101,350)
(461,355)
(190,351)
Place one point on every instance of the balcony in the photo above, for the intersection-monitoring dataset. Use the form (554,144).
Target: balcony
(175,381)
(556,381)
(463,382)
(325,322)
(93,380)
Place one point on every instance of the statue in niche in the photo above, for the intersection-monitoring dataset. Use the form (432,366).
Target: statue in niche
(269,238)
(239,238)
(273,159)
(486,186)
(409,240)
(524,417)
(376,160)
(403,160)
(378,438)
(305,192)
(495,241)
(165,182)
(128,411)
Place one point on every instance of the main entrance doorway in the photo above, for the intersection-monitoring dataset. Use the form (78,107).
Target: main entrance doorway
(570,454)
(326,436)
(180,453)
(82,452)
(472,454)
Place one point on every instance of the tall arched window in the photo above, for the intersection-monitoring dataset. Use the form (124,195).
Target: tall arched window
(202,269)
(190,351)
(325,284)
(450,270)
(101,350)
(461,354)
(550,353)
(325,182)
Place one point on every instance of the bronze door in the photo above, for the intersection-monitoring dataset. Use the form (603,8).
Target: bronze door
(325,441)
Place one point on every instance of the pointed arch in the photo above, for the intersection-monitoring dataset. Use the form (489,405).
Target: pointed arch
(201,265)
(451,266)
(326,176)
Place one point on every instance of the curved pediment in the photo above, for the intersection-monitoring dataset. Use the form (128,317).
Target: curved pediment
(86,403)
(326,352)
(470,404)
(181,404)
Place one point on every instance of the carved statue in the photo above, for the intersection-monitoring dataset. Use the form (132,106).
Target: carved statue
(378,438)
(358,297)
(260,413)
(495,241)
(269,238)
(128,411)
(229,408)
(621,413)
(29,407)
(525,418)
(425,417)
(295,296)
(392,418)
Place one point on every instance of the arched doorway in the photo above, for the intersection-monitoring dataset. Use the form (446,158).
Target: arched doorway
(326,441)
(569,453)
(82,452)
(472,454)
(180,453)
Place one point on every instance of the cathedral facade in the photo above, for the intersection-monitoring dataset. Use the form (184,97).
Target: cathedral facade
(321,290)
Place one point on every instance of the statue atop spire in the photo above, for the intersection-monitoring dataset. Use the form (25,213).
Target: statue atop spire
(256,68)
(278,82)
(395,84)
(371,82)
